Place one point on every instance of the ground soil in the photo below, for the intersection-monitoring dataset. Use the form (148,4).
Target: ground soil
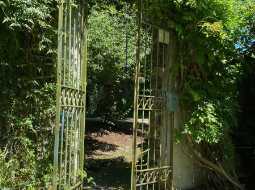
(109,154)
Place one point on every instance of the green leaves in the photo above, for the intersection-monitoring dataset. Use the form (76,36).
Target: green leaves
(27,164)
(110,64)
(207,65)
(25,14)
(4,3)
(205,124)
(214,29)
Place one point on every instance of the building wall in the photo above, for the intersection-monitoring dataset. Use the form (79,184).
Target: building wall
(186,174)
(184,169)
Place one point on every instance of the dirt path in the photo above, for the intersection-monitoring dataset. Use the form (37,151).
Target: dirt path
(109,151)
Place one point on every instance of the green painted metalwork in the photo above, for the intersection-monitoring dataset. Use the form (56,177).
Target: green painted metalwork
(153,123)
(152,167)
(71,95)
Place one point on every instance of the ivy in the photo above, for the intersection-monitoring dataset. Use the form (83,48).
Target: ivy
(212,38)
(205,124)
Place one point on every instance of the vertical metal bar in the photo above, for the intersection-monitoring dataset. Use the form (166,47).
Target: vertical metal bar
(75,28)
(74,147)
(136,92)
(66,61)
(65,42)
(157,66)
(144,89)
(58,95)
(73,92)
(71,152)
(76,25)
(70,44)
(156,96)
(66,144)
(74,54)
(83,24)
(71,139)
(79,135)
(151,66)
(150,93)
(78,62)
(77,143)
(76,155)
(143,93)
(61,142)
(171,149)
(162,139)
(69,95)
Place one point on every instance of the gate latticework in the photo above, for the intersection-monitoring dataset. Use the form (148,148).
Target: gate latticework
(71,95)
(152,167)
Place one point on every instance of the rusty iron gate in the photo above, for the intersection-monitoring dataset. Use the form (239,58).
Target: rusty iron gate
(71,95)
(152,167)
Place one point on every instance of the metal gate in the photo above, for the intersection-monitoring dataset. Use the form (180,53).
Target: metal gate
(153,120)
(71,95)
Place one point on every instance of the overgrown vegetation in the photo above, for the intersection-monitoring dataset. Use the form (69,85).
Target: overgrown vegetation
(207,70)
(215,43)
(27,105)
(111,45)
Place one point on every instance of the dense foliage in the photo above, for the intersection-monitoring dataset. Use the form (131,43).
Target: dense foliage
(215,45)
(27,80)
(27,92)
(209,34)
(207,65)
(111,45)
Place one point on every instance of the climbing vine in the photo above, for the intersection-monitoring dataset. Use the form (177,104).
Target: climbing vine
(213,36)
(27,108)
(207,69)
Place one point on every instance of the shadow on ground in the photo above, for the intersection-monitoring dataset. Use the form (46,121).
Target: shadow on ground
(110,174)
(95,145)
(108,152)
(98,125)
